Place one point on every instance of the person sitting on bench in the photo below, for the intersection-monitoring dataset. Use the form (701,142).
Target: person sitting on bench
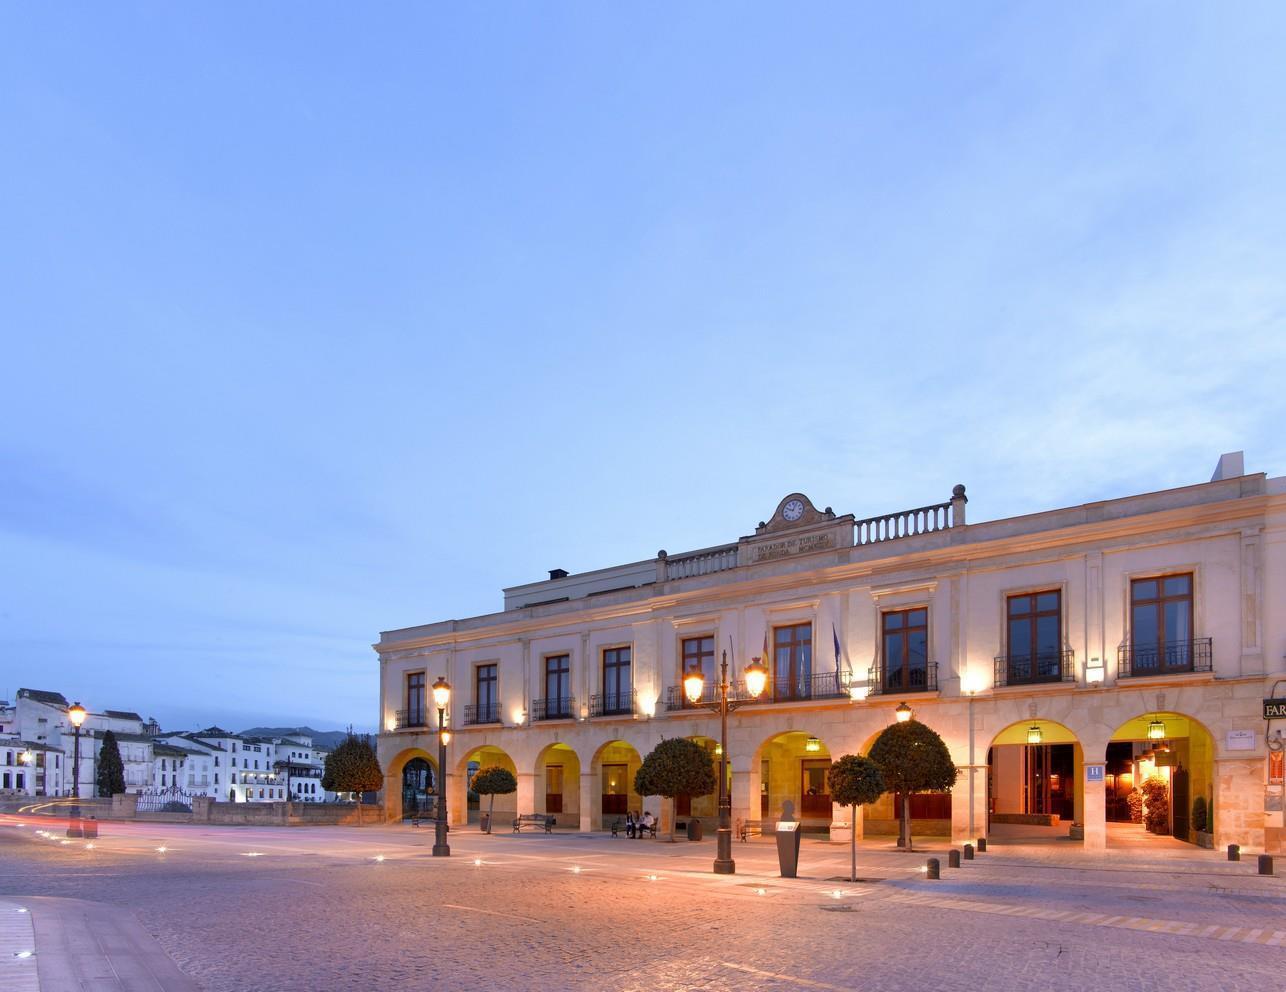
(648,823)
(630,825)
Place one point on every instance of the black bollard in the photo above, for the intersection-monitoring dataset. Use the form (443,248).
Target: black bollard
(953,858)
(968,852)
(982,845)
(933,868)
(1265,864)
(1234,852)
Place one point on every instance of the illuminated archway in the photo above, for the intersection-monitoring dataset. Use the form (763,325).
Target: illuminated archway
(485,756)
(1177,753)
(1035,776)
(793,767)
(613,768)
(408,779)
(558,784)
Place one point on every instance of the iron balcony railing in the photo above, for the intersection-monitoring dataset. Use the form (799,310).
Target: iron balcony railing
(477,713)
(1134,660)
(1033,669)
(677,699)
(882,681)
(562,708)
(823,685)
(411,718)
(612,704)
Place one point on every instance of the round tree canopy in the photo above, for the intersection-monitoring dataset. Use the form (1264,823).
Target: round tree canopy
(913,758)
(494,781)
(855,781)
(676,767)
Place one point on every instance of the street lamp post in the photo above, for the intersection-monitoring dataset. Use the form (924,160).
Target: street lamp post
(27,758)
(693,687)
(441,696)
(76,714)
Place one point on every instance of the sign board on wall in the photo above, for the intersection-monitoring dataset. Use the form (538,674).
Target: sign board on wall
(1093,773)
(1239,740)
(1275,709)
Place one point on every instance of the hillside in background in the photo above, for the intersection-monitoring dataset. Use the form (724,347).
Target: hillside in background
(329,739)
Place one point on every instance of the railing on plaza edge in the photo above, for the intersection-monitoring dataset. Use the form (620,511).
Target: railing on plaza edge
(824,685)
(904,523)
(1136,660)
(1028,669)
(612,704)
(703,562)
(902,679)
(563,708)
(171,800)
(476,713)
(412,718)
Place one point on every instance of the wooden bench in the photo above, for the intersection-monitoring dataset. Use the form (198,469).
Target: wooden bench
(750,828)
(616,826)
(640,829)
(534,819)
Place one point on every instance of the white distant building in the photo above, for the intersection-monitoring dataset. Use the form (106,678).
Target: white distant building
(301,764)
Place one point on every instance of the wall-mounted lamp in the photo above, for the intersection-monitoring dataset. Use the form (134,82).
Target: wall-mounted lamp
(1156,730)
(1094,671)
(903,712)
(812,745)
(1034,734)
(390,723)
(858,692)
(971,683)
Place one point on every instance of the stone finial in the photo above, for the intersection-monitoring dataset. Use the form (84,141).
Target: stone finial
(662,554)
(958,491)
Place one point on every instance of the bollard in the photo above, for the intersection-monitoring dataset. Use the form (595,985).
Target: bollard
(90,828)
(1234,852)
(982,845)
(1265,864)
(968,852)
(953,858)
(933,868)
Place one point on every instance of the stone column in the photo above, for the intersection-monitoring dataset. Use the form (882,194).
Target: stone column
(975,783)
(1239,802)
(745,803)
(457,794)
(1095,806)
(526,795)
(587,814)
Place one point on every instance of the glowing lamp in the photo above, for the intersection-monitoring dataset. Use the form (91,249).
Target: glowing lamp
(446,737)
(76,714)
(694,684)
(756,677)
(1156,730)
(812,744)
(904,712)
(858,692)
(441,692)
(27,757)
(1094,671)
(390,723)
(718,750)
(1034,734)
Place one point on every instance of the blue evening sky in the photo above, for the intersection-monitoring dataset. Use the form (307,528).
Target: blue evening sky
(322,319)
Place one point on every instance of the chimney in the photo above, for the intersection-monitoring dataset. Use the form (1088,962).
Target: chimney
(558,573)
(1231,465)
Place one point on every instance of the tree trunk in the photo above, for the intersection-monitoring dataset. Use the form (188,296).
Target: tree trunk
(906,821)
(852,841)
(491,811)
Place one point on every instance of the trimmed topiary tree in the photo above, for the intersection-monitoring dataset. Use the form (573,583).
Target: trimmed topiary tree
(1199,814)
(912,758)
(353,767)
(111,770)
(854,781)
(494,781)
(676,767)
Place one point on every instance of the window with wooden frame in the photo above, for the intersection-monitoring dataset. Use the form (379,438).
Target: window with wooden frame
(905,645)
(1161,624)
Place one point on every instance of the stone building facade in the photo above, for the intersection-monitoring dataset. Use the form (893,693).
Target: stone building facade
(1065,657)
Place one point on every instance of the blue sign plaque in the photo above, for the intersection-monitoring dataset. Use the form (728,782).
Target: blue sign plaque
(1093,773)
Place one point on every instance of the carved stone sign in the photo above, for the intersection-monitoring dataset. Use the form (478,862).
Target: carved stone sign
(789,546)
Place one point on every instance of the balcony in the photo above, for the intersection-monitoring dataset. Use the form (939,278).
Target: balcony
(1136,660)
(827,685)
(897,681)
(612,704)
(563,708)
(1042,667)
(479,713)
(409,719)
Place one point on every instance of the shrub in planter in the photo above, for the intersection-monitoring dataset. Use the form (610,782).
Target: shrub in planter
(1135,801)
(1199,814)
(1156,804)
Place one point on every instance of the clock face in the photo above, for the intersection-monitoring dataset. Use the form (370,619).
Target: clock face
(793,510)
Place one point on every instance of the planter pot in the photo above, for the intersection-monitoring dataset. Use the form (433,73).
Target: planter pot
(1076,831)
(694,829)
(1205,840)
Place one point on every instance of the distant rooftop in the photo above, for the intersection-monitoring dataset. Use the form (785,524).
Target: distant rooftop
(43,696)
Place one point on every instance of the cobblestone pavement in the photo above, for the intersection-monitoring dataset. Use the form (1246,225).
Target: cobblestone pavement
(247,909)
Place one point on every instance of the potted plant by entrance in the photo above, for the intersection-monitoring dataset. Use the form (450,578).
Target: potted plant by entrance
(1201,823)
(1156,805)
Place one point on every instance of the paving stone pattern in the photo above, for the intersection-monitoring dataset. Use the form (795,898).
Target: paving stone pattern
(315,909)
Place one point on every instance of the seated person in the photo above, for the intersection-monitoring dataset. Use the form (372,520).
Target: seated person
(648,823)
(630,825)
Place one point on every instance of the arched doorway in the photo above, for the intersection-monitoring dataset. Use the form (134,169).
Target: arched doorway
(1156,766)
(486,756)
(613,768)
(793,767)
(930,811)
(1034,776)
(558,784)
(704,808)
(410,784)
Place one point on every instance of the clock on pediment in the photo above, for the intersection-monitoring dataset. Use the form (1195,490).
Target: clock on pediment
(796,510)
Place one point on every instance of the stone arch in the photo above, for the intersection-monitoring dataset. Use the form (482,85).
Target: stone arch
(797,763)
(395,801)
(558,785)
(463,798)
(704,808)
(1035,783)
(1174,747)
(613,767)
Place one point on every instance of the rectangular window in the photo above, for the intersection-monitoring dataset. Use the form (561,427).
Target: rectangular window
(618,686)
(906,650)
(415,685)
(1035,637)
(793,662)
(1161,624)
(484,694)
(698,652)
(558,686)
(553,788)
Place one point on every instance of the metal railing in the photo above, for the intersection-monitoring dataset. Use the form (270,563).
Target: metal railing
(563,708)
(172,800)
(476,713)
(823,685)
(882,682)
(701,562)
(411,718)
(612,704)
(1196,655)
(677,699)
(1029,669)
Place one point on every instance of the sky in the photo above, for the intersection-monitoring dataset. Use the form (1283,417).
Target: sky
(318,320)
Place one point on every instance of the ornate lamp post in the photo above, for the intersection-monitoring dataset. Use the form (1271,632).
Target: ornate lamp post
(441,696)
(693,687)
(76,714)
